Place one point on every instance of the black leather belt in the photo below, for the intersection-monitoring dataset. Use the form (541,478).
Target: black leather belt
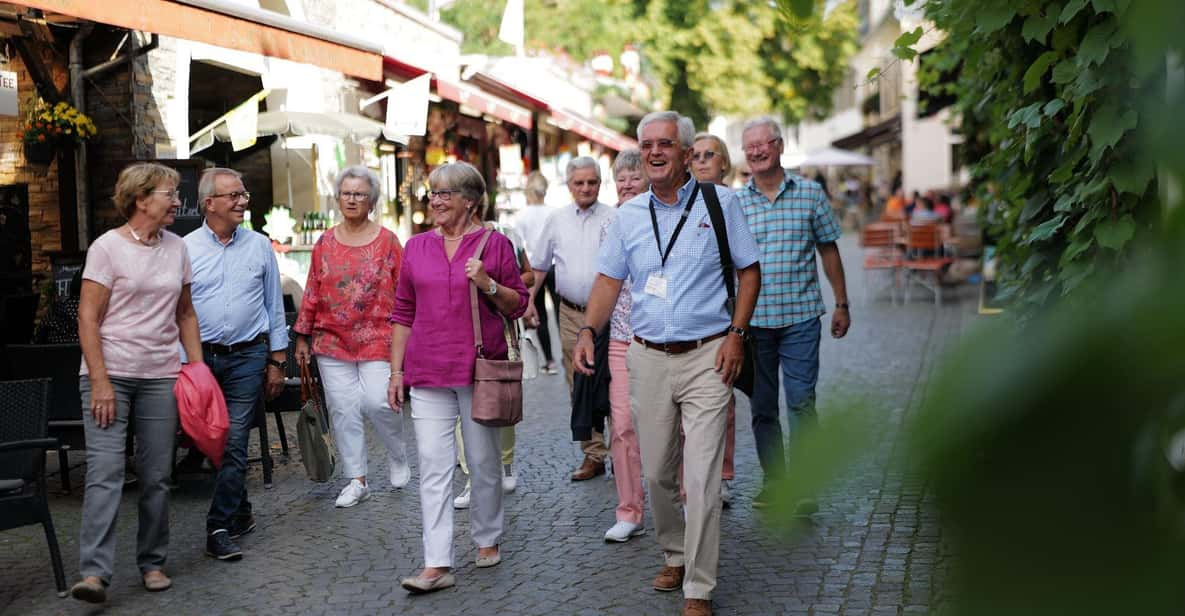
(678,348)
(572,305)
(210,348)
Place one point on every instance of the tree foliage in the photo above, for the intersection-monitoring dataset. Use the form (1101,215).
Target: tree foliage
(704,57)
(1048,94)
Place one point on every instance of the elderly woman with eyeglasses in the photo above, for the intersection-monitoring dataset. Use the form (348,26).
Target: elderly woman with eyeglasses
(134,310)
(433,352)
(345,312)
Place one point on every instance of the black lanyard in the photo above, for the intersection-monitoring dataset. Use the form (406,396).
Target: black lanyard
(678,227)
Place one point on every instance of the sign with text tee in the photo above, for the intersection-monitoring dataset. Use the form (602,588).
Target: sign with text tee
(8,98)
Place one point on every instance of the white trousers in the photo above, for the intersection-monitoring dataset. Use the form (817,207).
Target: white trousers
(434,413)
(353,390)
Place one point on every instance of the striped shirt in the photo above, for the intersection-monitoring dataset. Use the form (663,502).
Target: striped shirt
(787,232)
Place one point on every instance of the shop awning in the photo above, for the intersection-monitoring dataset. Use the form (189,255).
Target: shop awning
(482,102)
(591,130)
(226,24)
(886,131)
(464,94)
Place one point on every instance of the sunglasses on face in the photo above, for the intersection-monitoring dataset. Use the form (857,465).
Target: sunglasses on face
(704,156)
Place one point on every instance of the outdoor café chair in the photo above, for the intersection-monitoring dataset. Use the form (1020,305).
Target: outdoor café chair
(24,409)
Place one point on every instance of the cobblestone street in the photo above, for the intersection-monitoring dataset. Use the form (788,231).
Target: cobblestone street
(874,547)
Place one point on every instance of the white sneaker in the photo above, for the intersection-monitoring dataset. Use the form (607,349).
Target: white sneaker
(725,496)
(398,472)
(509,481)
(462,500)
(352,494)
(622,531)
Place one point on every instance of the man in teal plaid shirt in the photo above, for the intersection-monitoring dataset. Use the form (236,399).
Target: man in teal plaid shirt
(790,217)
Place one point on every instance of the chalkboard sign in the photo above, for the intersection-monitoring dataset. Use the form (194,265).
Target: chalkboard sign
(189,217)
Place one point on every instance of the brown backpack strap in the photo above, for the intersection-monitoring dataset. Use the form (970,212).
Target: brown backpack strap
(473,295)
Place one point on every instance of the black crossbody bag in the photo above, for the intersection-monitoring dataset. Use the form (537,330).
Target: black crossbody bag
(744,382)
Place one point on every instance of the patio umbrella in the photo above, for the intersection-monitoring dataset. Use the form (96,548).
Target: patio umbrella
(339,125)
(333,124)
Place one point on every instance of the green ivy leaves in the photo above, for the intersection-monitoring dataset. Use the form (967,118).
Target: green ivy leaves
(1048,100)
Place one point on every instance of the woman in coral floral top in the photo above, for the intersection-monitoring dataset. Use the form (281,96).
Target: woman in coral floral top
(346,307)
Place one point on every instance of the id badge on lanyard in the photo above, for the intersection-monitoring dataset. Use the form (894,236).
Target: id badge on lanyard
(656,284)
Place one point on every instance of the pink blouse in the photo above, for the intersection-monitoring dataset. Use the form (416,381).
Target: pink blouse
(139,332)
(348,296)
(432,299)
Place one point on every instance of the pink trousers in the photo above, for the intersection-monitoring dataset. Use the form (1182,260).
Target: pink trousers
(623,440)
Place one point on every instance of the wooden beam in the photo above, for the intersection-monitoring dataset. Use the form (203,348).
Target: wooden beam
(41,75)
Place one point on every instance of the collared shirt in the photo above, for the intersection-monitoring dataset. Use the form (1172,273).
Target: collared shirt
(236,288)
(572,236)
(695,303)
(788,230)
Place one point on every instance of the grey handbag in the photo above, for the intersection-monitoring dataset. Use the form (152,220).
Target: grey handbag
(317,450)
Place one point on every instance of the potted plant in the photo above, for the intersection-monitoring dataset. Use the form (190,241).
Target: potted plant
(48,127)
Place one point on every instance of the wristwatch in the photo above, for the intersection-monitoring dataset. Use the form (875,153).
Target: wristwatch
(279,364)
(742,333)
(492,289)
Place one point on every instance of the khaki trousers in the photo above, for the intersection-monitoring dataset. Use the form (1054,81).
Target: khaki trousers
(668,392)
(570,323)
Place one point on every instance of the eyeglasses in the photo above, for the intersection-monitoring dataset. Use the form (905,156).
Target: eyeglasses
(704,156)
(234,196)
(661,144)
(444,193)
(754,148)
(171,195)
(355,196)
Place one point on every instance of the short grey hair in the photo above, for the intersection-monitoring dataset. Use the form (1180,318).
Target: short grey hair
(463,177)
(536,188)
(773,125)
(627,160)
(582,162)
(206,183)
(683,123)
(362,173)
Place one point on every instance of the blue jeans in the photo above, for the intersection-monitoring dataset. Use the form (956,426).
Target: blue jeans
(795,349)
(241,377)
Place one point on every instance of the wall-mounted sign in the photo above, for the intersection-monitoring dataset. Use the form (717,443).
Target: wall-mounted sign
(8,100)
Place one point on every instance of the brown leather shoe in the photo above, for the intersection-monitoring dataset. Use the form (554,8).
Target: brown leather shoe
(697,607)
(669,579)
(588,469)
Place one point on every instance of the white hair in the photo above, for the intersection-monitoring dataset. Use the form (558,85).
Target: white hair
(683,123)
(768,121)
(361,172)
(582,162)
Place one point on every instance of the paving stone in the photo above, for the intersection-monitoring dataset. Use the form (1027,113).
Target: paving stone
(875,546)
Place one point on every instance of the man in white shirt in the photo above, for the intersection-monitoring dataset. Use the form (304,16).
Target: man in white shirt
(571,237)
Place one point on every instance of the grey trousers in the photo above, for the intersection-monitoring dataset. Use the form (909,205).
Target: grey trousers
(156,429)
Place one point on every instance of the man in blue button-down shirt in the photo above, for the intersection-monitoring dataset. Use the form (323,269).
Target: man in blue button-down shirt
(687,349)
(236,292)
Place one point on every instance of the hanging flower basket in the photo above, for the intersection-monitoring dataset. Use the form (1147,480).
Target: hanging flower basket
(41,153)
(50,127)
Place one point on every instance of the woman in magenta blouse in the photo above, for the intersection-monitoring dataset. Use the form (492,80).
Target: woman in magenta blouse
(434,331)
(345,310)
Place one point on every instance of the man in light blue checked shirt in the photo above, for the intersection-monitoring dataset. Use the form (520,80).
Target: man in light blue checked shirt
(240,309)
(687,350)
(791,218)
